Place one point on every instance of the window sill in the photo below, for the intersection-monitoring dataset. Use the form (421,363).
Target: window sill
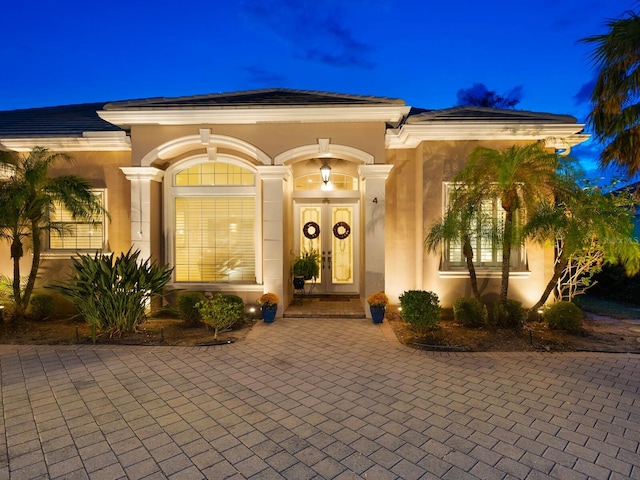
(70,253)
(482,274)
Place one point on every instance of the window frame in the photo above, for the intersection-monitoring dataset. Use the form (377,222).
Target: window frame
(483,268)
(64,251)
(173,191)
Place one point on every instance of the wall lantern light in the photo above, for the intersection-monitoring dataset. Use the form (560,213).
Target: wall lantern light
(325,172)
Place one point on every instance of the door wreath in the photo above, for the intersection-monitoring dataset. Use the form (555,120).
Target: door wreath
(311,230)
(341,230)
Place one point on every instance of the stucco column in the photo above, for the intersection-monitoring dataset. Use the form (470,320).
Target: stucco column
(273,195)
(373,178)
(141,178)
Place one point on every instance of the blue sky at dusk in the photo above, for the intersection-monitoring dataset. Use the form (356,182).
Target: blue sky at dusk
(422,51)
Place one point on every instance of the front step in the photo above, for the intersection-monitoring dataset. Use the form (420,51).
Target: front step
(325,306)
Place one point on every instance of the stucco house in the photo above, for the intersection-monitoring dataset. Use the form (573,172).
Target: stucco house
(227,188)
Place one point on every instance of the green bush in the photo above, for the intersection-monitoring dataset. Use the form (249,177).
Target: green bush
(187,309)
(41,306)
(509,314)
(221,311)
(421,309)
(112,294)
(470,312)
(564,316)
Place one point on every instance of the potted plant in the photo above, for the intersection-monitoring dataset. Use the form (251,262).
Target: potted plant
(269,306)
(305,267)
(377,305)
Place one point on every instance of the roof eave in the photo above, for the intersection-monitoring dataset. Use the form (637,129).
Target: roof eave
(410,136)
(88,142)
(375,113)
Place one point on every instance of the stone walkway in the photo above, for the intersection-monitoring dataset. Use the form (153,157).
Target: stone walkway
(323,399)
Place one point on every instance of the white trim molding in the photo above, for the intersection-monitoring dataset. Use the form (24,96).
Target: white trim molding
(247,116)
(143,173)
(323,149)
(374,171)
(89,142)
(205,138)
(410,136)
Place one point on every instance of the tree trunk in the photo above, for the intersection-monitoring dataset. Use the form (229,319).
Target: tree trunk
(559,267)
(17,253)
(468,255)
(35,264)
(506,255)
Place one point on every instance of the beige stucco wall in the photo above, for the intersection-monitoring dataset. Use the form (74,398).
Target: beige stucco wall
(272,139)
(102,169)
(413,207)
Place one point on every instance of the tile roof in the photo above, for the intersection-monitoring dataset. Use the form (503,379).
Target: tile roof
(272,97)
(475,114)
(61,121)
(73,120)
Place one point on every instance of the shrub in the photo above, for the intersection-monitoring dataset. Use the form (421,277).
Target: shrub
(508,314)
(564,316)
(41,306)
(187,309)
(470,312)
(220,312)
(421,309)
(112,294)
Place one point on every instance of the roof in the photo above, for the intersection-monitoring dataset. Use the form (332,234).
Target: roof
(479,114)
(76,120)
(272,97)
(62,121)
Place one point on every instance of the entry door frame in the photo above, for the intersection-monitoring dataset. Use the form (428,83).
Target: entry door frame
(326,285)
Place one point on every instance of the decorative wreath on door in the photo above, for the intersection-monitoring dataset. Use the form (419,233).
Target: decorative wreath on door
(311,230)
(341,230)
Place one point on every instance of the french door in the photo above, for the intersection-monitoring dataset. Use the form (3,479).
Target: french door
(331,228)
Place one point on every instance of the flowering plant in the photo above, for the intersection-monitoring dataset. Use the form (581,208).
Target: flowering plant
(378,300)
(268,299)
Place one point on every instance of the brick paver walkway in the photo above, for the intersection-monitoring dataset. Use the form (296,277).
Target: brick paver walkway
(326,399)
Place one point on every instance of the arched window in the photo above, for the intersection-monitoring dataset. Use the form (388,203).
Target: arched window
(214,223)
(338,181)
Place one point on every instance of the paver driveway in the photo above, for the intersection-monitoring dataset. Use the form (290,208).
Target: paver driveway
(304,398)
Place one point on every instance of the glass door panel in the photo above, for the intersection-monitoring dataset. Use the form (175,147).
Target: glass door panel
(331,228)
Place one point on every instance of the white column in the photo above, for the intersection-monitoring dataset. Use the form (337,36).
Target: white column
(273,195)
(141,178)
(373,178)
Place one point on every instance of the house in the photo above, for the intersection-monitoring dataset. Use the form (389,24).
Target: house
(227,188)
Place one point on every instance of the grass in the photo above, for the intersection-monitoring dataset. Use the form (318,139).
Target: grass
(608,308)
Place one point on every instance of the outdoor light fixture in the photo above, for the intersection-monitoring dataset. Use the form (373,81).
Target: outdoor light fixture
(325,172)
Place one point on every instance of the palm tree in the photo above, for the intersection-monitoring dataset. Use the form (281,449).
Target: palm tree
(29,197)
(518,177)
(615,109)
(462,222)
(585,225)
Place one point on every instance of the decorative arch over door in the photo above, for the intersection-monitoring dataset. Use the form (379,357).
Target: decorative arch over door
(324,149)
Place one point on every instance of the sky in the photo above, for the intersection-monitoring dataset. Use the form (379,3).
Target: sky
(422,51)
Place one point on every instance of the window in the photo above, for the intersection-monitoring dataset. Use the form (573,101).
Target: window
(214,208)
(75,234)
(338,181)
(485,242)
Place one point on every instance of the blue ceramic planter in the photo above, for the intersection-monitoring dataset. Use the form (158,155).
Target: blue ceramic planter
(269,313)
(377,313)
